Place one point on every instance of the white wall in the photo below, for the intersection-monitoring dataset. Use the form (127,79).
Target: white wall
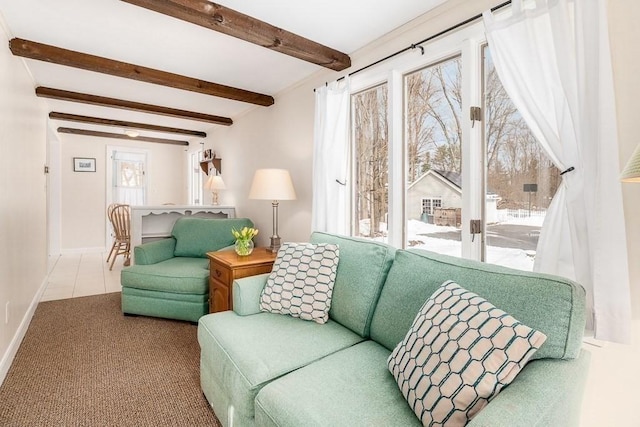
(624,33)
(23,242)
(274,137)
(83,199)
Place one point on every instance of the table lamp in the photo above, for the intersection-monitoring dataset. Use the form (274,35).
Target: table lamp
(631,172)
(274,185)
(214,183)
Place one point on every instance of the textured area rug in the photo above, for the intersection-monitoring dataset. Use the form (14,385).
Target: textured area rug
(82,363)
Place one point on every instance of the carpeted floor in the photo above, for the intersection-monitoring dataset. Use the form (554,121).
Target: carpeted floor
(82,363)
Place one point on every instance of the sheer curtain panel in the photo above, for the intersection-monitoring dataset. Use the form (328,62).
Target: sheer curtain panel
(129,177)
(554,61)
(330,207)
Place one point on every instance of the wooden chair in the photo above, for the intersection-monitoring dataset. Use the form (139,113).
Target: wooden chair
(113,245)
(120,218)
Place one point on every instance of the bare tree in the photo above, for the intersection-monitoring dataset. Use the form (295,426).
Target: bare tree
(420,90)
(443,113)
(372,158)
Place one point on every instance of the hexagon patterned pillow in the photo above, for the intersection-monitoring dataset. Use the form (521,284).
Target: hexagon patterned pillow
(301,281)
(458,354)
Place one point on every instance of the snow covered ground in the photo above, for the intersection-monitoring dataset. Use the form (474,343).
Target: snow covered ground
(508,257)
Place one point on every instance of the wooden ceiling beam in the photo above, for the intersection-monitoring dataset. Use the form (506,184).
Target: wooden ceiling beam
(70,58)
(64,95)
(228,21)
(86,132)
(123,124)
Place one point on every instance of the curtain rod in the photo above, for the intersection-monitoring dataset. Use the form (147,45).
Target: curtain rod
(417,44)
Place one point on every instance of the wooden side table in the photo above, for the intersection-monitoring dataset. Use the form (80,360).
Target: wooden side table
(226,266)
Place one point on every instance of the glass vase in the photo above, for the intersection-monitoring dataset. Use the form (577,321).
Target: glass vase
(244,247)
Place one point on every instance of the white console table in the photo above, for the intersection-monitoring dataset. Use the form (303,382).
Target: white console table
(156,222)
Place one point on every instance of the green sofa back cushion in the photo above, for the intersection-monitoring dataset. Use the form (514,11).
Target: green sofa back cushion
(549,304)
(197,236)
(362,270)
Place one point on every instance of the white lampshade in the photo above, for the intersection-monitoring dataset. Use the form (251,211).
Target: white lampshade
(272,184)
(631,172)
(215,182)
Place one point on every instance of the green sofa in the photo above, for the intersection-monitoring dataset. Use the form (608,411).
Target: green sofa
(268,369)
(170,277)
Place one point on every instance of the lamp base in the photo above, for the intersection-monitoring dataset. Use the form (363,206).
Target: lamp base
(275,244)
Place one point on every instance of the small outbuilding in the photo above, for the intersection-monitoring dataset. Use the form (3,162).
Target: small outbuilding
(438,194)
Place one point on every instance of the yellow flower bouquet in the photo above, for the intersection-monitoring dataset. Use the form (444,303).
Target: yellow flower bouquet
(244,242)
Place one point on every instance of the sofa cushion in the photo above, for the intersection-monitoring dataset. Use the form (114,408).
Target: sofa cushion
(349,388)
(301,281)
(197,236)
(180,275)
(458,354)
(243,353)
(189,307)
(549,304)
(362,270)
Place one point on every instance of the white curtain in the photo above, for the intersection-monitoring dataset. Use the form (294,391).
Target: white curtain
(330,207)
(554,61)
(129,178)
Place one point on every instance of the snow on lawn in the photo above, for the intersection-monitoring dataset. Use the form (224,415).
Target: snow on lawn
(515,258)
(508,257)
(418,227)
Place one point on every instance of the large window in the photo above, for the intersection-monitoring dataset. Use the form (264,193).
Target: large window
(371,162)
(424,171)
(433,153)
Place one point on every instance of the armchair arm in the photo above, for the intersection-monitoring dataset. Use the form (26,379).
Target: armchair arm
(246,294)
(154,252)
(547,392)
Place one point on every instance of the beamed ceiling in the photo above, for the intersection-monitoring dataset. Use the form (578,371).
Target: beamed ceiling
(175,69)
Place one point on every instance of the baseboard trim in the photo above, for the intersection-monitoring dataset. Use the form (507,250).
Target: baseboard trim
(14,345)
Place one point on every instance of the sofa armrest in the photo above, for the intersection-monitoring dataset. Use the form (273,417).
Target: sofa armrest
(547,392)
(154,252)
(246,294)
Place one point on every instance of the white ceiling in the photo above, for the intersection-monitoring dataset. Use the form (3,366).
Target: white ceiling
(121,31)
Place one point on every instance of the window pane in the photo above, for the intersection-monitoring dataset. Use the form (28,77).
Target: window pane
(371,163)
(131,174)
(521,180)
(434,162)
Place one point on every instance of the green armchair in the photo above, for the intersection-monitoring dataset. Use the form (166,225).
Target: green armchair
(170,277)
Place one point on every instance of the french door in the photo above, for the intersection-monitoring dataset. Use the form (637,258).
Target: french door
(443,161)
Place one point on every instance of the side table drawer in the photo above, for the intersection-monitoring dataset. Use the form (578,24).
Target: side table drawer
(219,273)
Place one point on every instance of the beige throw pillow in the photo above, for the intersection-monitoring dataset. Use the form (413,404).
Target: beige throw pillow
(459,353)
(301,281)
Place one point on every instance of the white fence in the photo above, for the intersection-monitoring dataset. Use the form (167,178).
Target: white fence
(507,214)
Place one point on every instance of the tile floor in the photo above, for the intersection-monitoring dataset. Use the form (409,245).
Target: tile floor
(79,275)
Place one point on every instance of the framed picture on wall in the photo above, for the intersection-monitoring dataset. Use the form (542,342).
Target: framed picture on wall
(84,164)
(206,155)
